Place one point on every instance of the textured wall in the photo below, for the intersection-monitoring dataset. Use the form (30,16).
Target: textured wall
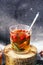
(20,11)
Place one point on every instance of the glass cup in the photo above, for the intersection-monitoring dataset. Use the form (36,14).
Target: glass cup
(20,37)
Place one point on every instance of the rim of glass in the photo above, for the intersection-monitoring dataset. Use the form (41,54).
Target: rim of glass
(16,25)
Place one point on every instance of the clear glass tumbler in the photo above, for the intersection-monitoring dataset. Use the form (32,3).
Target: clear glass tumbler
(20,37)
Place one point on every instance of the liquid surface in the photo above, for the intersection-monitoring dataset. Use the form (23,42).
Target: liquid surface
(20,39)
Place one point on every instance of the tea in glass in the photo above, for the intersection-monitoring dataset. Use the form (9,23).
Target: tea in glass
(20,37)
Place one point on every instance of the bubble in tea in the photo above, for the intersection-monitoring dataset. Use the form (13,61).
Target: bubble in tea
(20,39)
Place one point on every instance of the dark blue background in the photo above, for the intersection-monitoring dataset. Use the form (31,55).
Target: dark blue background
(20,11)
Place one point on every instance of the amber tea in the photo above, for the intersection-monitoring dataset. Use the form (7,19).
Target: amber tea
(20,38)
